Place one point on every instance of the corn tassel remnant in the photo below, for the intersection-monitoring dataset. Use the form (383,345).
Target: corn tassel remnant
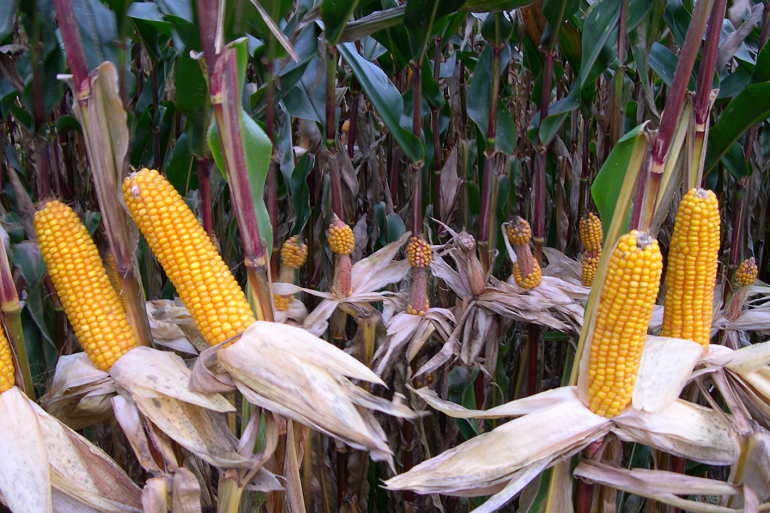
(526,269)
(746,274)
(692,268)
(203,281)
(624,312)
(293,256)
(591,236)
(77,272)
(7,378)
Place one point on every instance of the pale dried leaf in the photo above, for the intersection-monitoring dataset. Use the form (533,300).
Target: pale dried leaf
(563,267)
(683,429)
(515,408)
(24,478)
(378,270)
(293,497)
(450,185)
(664,369)
(207,374)
(749,359)
(155,495)
(488,462)
(127,416)
(164,373)
(264,481)
(186,492)
(83,471)
(476,333)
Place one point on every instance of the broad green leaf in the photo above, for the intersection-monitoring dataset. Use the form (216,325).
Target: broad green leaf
(396,227)
(98,31)
(150,25)
(385,98)
(335,14)
(608,184)
(750,106)
(26,257)
(556,12)
(497,28)
(600,37)
(735,161)
(181,165)
(7,17)
(307,99)
(761,71)
(373,22)
(478,101)
(678,20)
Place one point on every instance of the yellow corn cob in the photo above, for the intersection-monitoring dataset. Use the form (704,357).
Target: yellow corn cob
(282,303)
(7,379)
(77,272)
(625,307)
(201,278)
(692,268)
(590,264)
(746,273)
(591,234)
(519,232)
(293,253)
(418,253)
(340,237)
(112,273)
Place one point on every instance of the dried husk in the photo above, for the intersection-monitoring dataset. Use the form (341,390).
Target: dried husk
(295,374)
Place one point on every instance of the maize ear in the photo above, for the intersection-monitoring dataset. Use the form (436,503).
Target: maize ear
(340,237)
(77,272)
(201,278)
(589,266)
(7,379)
(418,253)
(591,233)
(526,269)
(746,274)
(519,232)
(625,308)
(692,268)
(293,253)
(281,303)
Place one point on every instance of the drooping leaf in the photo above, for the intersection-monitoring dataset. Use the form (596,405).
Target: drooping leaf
(750,106)
(385,98)
(335,14)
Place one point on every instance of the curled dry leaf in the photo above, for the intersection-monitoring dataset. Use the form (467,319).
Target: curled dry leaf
(40,454)
(173,327)
(289,371)
(556,424)
(367,277)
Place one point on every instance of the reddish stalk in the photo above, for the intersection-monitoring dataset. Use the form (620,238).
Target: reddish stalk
(416,167)
(70,33)
(435,180)
(538,228)
(331,130)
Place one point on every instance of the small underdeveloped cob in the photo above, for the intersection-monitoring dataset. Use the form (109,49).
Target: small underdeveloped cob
(293,255)
(526,269)
(476,277)
(591,236)
(744,277)
(202,279)
(692,268)
(7,378)
(419,256)
(341,242)
(625,308)
(78,274)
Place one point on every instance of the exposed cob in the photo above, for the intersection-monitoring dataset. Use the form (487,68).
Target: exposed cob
(746,274)
(7,379)
(526,269)
(419,256)
(692,268)
(341,242)
(201,278)
(418,252)
(293,256)
(340,237)
(591,236)
(77,272)
(624,312)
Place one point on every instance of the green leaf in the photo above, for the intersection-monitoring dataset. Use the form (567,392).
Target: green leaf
(98,31)
(494,5)
(307,99)
(192,100)
(26,257)
(335,14)
(761,71)
(385,98)
(735,161)
(478,101)
(556,12)
(750,106)
(419,18)
(610,187)
(180,167)
(396,227)
(7,17)
(300,193)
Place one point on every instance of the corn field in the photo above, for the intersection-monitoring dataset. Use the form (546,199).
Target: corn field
(385,256)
